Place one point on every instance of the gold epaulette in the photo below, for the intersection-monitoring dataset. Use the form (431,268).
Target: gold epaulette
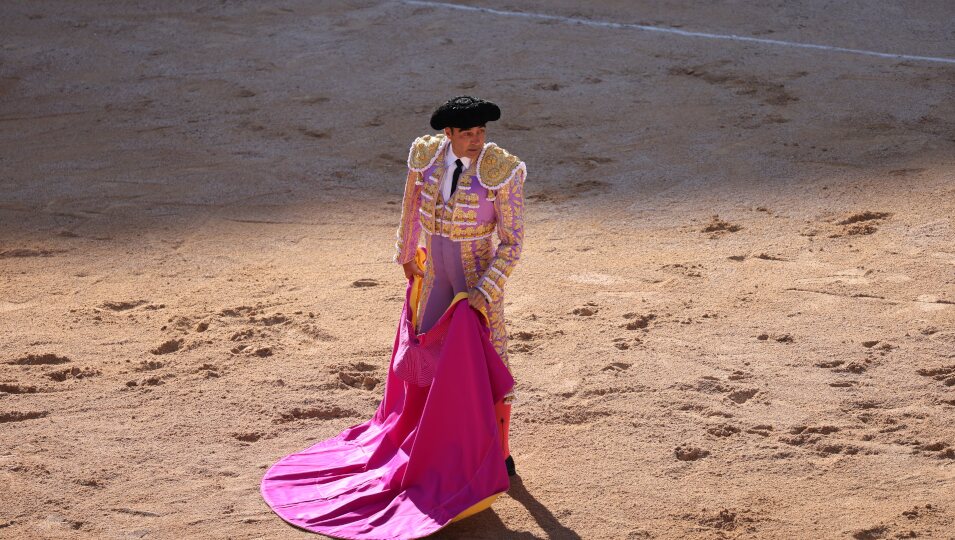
(423,151)
(496,167)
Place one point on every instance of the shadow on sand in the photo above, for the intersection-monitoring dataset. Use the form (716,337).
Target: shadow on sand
(487,524)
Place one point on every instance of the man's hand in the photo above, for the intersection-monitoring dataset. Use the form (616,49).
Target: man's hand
(477,300)
(411,269)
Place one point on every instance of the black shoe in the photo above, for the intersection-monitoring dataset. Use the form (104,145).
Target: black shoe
(509,463)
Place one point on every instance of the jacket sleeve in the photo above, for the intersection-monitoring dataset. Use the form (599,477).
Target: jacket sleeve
(409,228)
(509,207)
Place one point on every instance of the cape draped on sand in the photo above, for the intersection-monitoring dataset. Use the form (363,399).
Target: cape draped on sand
(430,455)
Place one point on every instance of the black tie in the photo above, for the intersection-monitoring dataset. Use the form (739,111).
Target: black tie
(457,173)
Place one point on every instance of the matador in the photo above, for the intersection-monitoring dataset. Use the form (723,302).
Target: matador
(459,191)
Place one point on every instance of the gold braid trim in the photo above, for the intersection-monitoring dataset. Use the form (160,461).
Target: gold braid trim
(424,150)
(496,166)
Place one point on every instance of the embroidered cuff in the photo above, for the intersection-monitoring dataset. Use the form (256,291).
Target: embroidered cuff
(397,258)
(492,284)
(486,295)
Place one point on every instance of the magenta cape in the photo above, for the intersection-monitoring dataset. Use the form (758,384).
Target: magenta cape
(427,455)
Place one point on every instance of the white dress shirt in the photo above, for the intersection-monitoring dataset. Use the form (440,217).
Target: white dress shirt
(449,172)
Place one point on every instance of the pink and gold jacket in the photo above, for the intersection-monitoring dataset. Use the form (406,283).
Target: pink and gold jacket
(489,197)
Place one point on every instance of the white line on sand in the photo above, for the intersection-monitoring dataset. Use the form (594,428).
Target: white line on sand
(731,37)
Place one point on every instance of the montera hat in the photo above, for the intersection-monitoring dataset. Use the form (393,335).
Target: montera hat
(464,112)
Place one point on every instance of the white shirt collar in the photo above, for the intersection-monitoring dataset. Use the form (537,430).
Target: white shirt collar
(451,157)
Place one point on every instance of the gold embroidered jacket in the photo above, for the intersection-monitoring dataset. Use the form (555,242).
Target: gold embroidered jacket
(488,197)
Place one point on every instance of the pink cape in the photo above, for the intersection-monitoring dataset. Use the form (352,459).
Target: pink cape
(427,455)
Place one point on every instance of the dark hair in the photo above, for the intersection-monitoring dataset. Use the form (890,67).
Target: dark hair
(452,128)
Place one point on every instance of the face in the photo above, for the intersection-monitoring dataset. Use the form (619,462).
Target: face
(466,142)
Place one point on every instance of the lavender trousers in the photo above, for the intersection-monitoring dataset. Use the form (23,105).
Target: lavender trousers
(447,279)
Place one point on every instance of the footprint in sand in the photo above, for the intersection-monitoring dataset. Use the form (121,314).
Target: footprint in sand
(828,364)
(688,270)
(523,336)
(270,320)
(718,227)
(243,335)
(576,416)
(123,305)
(861,223)
(29,252)
(208,370)
(317,333)
(72,373)
(320,413)
(918,511)
(17,416)
(360,381)
(155,380)
(236,311)
(780,338)
(704,410)
(637,321)
(360,375)
(855,366)
(248,348)
(527,342)
(551,87)
(738,375)
(39,359)
(725,520)
(617,366)
(690,453)
(723,430)
(14,388)
(182,323)
(841,448)
(944,374)
(814,437)
(312,133)
(865,215)
(247,437)
(882,349)
(624,344)
(933,299)
(943,449)
(742,396)
(263,352)
(808,430)
(520,348)
(148,365)
(763,430)
(712,385)
(168,346)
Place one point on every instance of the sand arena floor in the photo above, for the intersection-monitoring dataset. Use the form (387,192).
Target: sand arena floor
(734,316)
